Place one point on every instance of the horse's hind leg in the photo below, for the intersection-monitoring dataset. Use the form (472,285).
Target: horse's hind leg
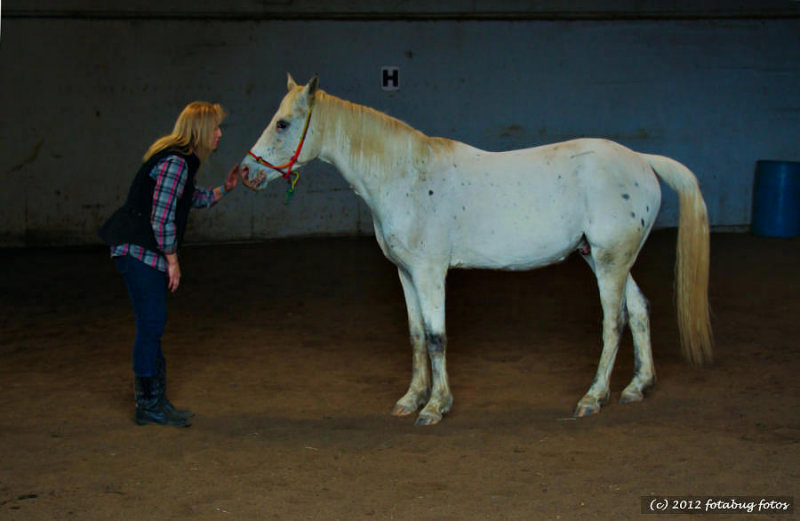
(419,389)
(611,281)
(644,375)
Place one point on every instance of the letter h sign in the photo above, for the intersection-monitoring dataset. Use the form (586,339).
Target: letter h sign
(390,78)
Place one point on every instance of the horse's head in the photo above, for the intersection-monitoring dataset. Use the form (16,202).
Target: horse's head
(282,145)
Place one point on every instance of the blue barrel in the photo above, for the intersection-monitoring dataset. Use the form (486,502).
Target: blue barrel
(776,199)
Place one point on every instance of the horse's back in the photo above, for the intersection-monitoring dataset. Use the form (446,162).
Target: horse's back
(532,207)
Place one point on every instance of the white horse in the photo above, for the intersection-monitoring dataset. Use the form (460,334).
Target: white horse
(439,204)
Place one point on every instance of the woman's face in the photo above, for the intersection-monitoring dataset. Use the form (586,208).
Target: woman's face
(215,138)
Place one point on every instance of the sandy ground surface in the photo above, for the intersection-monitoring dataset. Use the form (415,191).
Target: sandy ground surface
(292,354)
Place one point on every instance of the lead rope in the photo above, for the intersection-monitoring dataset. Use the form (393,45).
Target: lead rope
(290,190)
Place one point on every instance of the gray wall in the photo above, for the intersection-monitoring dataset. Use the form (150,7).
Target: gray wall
(84,92)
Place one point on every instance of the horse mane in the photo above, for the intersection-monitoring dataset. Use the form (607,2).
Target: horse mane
(374,140)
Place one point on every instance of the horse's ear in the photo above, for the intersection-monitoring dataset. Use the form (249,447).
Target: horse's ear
(309,91)
(290,83)
(312,85)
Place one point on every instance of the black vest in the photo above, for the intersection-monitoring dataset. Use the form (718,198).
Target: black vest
(131,223)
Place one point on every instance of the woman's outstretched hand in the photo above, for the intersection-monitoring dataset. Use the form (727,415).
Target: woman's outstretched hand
(232,179)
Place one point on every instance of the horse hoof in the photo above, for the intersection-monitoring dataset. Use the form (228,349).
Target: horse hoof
(631,397)
(585,410)
(636,390)
(402,410)
(587,406)
(428,419)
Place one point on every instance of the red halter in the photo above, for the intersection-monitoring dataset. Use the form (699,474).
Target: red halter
(287,174)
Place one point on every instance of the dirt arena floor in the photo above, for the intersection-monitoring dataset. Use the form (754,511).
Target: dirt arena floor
(292,354)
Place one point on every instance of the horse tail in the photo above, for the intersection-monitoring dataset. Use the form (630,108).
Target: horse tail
(692,260)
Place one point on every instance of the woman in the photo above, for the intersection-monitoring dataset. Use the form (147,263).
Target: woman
(145,235)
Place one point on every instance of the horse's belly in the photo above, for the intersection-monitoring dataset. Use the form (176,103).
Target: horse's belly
(490,260)
(513,246)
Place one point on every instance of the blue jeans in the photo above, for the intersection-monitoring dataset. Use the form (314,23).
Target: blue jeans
(147,288)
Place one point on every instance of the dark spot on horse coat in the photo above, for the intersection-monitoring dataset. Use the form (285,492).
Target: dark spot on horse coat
(436,343)
(430,192)
(626,196)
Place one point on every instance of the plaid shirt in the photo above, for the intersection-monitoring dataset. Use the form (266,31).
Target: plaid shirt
(170,175)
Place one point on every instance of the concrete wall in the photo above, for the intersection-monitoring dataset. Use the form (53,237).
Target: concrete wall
(84,93)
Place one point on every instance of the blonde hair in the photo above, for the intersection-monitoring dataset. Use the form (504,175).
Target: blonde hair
(193,131)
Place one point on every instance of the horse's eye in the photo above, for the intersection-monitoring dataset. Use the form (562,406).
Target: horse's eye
(282,125)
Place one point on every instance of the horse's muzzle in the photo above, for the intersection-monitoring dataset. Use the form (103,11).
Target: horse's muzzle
(253,175)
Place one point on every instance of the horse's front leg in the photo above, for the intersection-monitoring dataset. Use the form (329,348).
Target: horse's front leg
(419,389)
(429,282)
(441,397)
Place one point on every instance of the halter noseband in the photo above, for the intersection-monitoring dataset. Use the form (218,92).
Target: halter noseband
(287,174)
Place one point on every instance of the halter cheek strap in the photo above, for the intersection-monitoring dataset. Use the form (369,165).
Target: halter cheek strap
(286,169)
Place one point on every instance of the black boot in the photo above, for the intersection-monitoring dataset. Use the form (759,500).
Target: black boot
(162,380)
(150,404)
